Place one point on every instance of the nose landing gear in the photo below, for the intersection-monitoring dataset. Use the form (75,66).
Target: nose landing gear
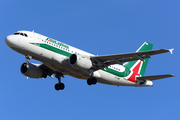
(28,58)
(58,75)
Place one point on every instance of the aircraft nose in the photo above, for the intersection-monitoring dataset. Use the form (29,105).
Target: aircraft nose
(9,41)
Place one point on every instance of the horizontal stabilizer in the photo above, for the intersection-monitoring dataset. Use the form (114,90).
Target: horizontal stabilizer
(156,77)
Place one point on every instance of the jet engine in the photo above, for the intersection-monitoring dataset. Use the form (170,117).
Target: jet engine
(80,61)
(31,70)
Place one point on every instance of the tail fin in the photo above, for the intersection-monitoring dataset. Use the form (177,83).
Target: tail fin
(139,66)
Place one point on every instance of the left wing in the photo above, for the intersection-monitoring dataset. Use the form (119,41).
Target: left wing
(47,70)
(121,58)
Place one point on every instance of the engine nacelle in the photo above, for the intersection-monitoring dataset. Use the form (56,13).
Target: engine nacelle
(31,70)
(79,61)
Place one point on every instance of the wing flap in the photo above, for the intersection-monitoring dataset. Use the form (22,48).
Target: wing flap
(110,62)
(155,77)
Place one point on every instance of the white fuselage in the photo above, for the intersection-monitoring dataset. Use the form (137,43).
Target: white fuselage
(31,46)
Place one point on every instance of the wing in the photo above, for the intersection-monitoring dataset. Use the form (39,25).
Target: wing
(121,58)
(48,71)
(156,77)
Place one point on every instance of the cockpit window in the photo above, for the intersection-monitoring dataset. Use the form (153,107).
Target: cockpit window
(16,33)
(23,34)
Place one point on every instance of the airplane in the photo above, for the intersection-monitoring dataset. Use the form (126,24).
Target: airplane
(61,59)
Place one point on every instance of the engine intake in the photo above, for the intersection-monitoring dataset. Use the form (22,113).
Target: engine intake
(80,62)
(31,70)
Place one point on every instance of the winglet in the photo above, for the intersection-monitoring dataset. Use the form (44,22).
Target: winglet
(171,50)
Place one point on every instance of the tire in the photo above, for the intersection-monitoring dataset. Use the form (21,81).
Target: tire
(94,81)
(59,86)
(62,86)
(89,81)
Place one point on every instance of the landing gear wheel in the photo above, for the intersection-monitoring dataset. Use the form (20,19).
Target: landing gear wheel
(59,86)
(91,81)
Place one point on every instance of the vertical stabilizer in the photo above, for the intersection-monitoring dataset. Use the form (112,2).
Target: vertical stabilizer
(138,66)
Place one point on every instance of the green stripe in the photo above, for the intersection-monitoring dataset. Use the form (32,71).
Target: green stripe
(119,74)
(61,52)
(53,49)
(56,50)
(143,68)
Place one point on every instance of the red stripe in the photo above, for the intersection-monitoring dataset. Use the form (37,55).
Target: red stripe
(135,71)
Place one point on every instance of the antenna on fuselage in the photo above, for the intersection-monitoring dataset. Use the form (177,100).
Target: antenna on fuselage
(33,31)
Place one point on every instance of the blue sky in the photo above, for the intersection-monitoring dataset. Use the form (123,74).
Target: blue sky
(100,27)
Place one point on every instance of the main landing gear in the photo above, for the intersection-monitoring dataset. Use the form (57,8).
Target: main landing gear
(59,85)
(91,81)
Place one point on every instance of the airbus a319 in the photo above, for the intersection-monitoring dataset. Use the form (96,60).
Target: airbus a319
(60,59)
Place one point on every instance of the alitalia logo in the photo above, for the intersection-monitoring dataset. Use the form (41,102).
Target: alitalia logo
(57,43)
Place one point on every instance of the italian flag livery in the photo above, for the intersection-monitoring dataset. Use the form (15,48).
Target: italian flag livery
(138,67)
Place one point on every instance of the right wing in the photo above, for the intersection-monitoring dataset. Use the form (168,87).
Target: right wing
(106,60)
